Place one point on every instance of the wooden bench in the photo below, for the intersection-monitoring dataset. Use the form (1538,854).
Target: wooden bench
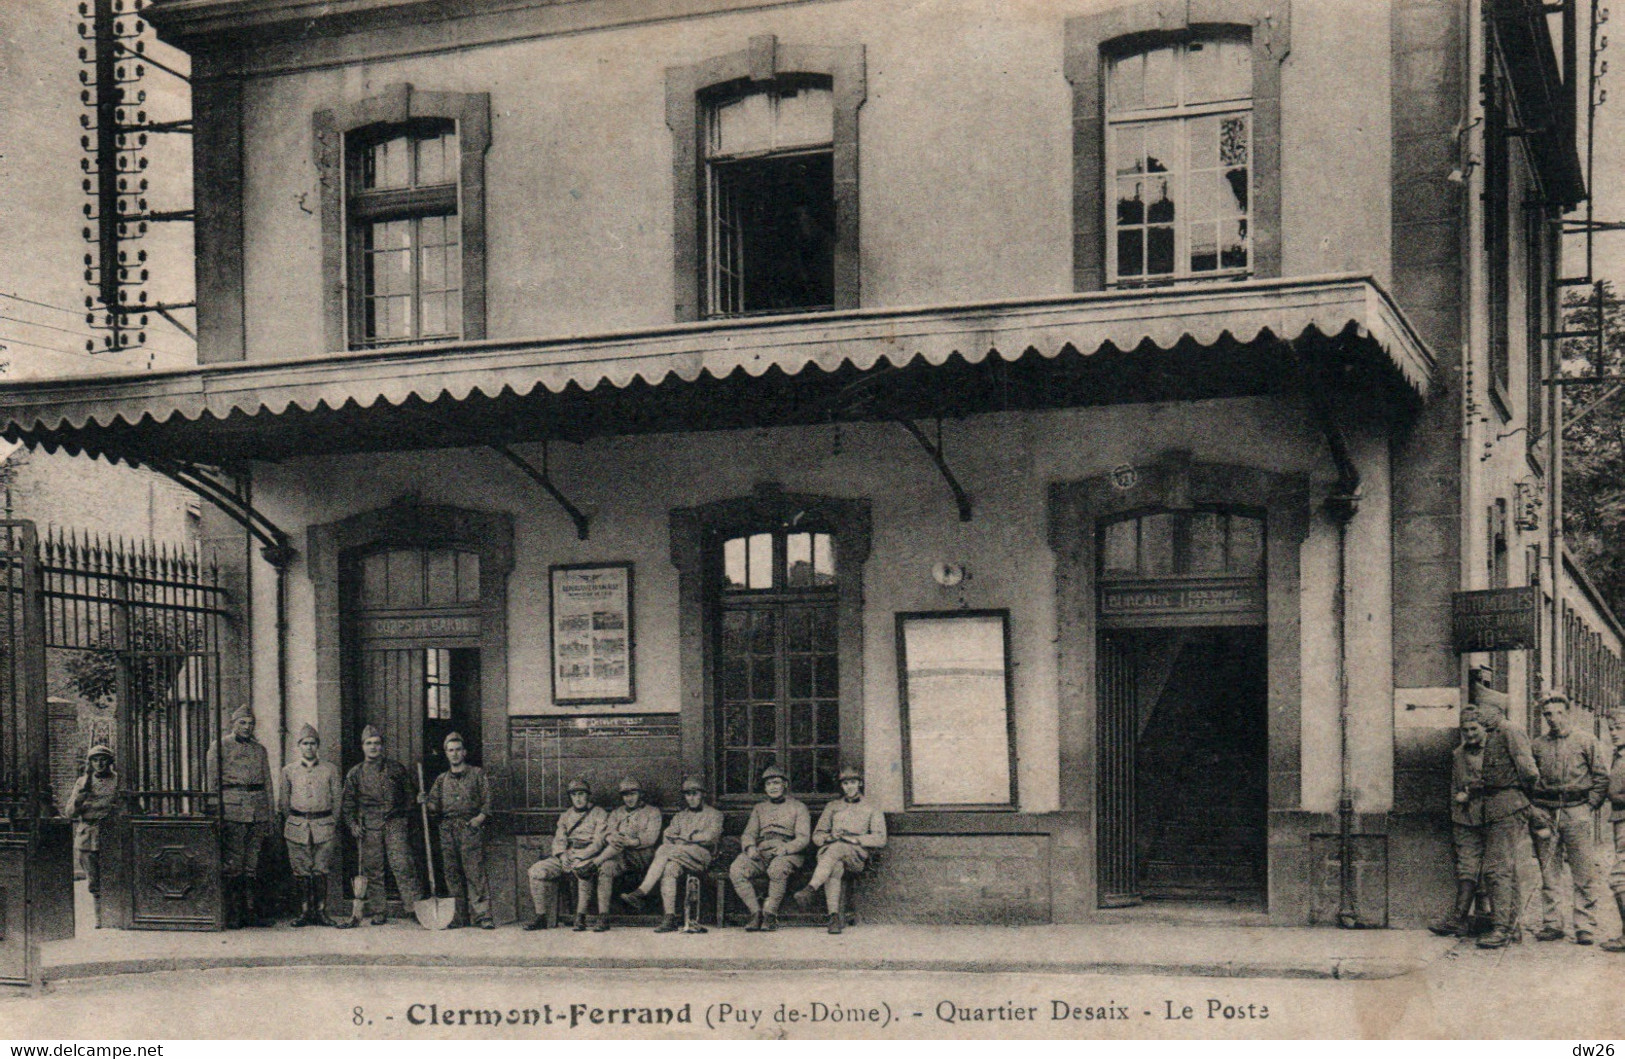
(790,913)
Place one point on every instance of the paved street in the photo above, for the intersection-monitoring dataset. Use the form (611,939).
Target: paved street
(1533,990)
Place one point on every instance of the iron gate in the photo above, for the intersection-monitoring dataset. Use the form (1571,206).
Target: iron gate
(146,627)
(36,851)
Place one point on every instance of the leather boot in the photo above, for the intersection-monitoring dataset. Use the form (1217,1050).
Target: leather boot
(667,925)
(1455,924)
(754,924)
(836,922)
(318,902)
(305,900)
(1617,944)
(230,891)
(250,900)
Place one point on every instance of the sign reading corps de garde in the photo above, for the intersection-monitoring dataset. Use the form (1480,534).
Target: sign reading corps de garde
(1496,619)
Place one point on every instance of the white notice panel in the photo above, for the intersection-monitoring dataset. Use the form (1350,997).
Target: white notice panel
(956,709)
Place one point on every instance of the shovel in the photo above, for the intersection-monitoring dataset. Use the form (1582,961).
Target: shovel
(434,913)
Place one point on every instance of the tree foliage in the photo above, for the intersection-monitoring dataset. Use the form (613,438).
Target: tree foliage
(1594,446)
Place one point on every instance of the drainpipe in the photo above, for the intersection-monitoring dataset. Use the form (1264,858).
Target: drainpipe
(1342,505)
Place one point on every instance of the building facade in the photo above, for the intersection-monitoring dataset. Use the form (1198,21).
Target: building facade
(1080,415)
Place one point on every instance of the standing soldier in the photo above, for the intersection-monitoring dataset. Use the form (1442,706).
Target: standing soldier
(773,846)
(689,843)
(578,838)
(1573,785)
(1616,798)
(1490,770)
(462,798)
(310,794)
(94,799)
(379,797)
(630,836)
(240,769)
(848,831)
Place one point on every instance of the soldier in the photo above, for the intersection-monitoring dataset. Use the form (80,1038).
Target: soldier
(1573,785)
(848,831)
(630,837)
(379,797)
(94,799)
(310,794)
(689,843)
(462,797)
(240,769)
(1490,770)
(1616,798)
(773,846)
(578,839)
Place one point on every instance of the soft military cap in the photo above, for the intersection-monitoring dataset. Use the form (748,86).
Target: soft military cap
(578,785)
(773,772)
(370,732)
(693,783)
(242,713)
(631,784)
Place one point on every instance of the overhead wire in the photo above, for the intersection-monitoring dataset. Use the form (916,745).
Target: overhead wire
(79,313)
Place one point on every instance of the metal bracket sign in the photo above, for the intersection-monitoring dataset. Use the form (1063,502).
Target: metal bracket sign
(1496,619)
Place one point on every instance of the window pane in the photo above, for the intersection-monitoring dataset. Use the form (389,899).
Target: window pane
(386,165)
(1131,202)
(829,764)
(1204,247)
(763,674)
(761,560)
(733,564)
(801,723)
(1233,244)
(1207,543)
(1157,544)
(1131,253)
(1159,251)
(1161,86)
(1233,141)
(805,117)
(823,559)
(798,560)
(764,725)
(735,725)
(744,124)
(1129,146)
(434,315)
(824,629)
(1246,546)
(736,773)
(762,638)
(828,684)
(1233,192)
(1118,551)
(829,724)
(801,676)
(437,160)
(1128,82)
(803,774)
(735,677)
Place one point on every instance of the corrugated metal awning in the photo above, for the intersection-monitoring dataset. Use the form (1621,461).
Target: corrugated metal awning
(510,389)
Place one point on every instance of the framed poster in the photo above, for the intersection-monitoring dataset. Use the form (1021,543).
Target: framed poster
(591,617)
(959,748)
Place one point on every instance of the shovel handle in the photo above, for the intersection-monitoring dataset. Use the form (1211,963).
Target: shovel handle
(428,841)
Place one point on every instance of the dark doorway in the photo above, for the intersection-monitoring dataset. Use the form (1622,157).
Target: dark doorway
(1185,765)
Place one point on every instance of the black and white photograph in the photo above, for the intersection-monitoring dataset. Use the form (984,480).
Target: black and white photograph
(744,520)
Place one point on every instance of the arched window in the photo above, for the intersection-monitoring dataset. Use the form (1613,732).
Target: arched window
(777,658)
(1204,542)
(1179,160)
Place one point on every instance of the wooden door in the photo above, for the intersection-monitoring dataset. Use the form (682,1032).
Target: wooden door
(1116,728)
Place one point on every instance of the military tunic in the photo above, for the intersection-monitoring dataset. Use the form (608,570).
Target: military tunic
(378,801)
(1573,782)
(240,770)
(1489,824)
(93,800)
(1616,800)
(688,844)
(630,837)
(773,845)
(849,832)
(459,797)
(577,840)
(311,794)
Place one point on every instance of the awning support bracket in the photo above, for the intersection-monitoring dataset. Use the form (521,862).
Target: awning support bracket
(274,543)
(934,450)
(541,478)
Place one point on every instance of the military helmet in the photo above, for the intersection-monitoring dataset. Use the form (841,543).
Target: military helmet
(631,784)
(693,783)
(578,784)
(99,750)
(851,772)
(451,737)
(773,772)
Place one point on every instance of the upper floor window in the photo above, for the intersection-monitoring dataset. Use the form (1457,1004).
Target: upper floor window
(770,202)
(405,245)
(1179,159)
(1206,542)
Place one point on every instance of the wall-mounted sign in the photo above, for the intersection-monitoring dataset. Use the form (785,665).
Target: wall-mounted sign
(591,608)
(1496,619)
(1193,599)
(421,627)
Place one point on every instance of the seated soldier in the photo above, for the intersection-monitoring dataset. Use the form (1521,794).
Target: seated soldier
(849,829)
(630,837)
(577,840)
(773,846)
(689,843)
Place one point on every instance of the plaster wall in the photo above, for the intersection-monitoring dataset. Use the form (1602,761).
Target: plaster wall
(965,159)
(1005,461)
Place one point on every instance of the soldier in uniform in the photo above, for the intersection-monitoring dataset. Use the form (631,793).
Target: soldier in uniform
(848,831)
(1616,799)
(94,799)
(1573,785)
(773,846)
(577,840)
(688,844)
(1491,769)
(310,794)
(462,798)
(240,769)
(630,837)
(379,798)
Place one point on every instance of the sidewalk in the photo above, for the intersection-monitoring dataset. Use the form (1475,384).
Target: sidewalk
(1145,948)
